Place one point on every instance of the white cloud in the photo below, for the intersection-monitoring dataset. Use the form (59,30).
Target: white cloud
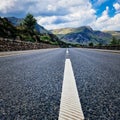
(117,7)
(82,14)
(112,23)
(100,22)
(46,20)
(51,8)
(105,22)
(6,5)
(79,13)
(66,3)
(54,14)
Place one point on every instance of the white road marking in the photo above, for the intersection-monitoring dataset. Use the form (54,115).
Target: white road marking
(67,52)
(70,107)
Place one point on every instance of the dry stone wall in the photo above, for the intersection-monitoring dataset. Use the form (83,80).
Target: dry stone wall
(15,45)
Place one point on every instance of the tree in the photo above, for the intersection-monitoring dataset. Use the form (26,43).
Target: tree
(91,44)
(29,22)
(114,41)
(100,44)
(118,41)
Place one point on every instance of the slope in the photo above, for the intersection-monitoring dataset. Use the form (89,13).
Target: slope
(17,21)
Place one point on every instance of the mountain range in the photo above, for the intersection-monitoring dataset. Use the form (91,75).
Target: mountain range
(80,35)
(83,35)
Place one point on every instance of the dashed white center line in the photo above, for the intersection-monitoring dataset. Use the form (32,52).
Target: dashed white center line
(67,51)
(70,106)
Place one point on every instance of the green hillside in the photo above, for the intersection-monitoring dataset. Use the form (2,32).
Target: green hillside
(19,32)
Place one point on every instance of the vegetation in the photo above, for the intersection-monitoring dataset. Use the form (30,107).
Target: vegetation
(45,38)
(6,29)
(29,22)
(115,41)
(26,31)
(91,44)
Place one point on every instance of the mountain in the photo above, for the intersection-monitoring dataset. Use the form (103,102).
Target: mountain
(41,29)
(82,35)
(17,21)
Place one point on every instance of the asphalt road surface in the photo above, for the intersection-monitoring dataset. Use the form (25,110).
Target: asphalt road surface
(31,84)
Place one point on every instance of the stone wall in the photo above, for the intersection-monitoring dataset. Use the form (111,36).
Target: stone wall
(11,45)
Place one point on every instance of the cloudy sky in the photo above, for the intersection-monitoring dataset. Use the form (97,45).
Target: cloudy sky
(53,14)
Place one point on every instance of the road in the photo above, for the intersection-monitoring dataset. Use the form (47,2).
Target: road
(31,84)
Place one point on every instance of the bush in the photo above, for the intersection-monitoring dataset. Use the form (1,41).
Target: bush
(91,44)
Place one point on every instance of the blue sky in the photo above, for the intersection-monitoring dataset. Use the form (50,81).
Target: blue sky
(54,14)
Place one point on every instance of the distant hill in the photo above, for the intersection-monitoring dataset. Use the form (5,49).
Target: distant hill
(17,21)
(82,35)
(61,32)
(116,34)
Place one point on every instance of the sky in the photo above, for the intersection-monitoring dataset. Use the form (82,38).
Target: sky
(55,14)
